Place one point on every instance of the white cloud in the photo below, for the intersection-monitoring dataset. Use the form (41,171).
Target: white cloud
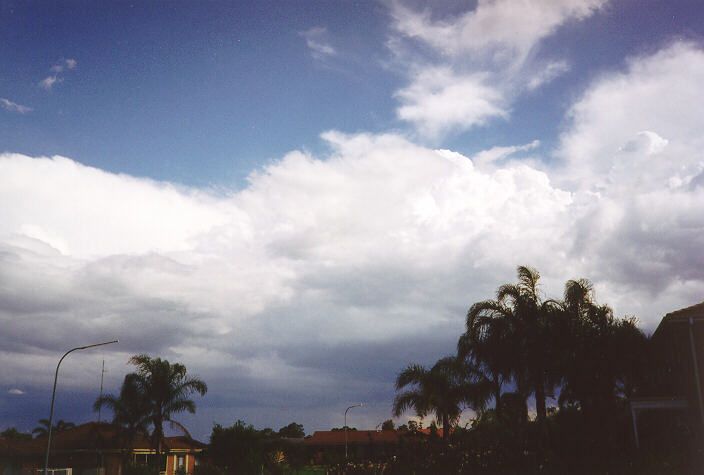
(495,42)
(547,74)
(15,391)
(495,154)
(60,67)
(146,261)
(14,107)
(503,29)
(437,100)
(48,82)
(636,128)
(318,43)
(63,65)
(634,151)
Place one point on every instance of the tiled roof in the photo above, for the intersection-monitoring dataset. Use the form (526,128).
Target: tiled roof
(695,311)
(92,436)
(337,437)
(182,442)
(21,446)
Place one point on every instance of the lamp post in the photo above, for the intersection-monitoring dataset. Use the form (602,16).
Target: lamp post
(345,427)
(53,396)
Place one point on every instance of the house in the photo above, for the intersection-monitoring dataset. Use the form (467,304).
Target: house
(97,449)
(677,371)
(361,444)
(19,456)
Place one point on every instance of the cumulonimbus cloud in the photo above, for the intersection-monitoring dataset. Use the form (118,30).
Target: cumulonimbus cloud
(377,242)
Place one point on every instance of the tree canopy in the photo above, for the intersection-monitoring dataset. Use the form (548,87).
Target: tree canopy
(152,395)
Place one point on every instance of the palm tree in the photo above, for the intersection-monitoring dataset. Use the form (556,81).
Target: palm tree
(531,333)
(485,346)
(60,426)
(130,410)
(441,390)
(606,353)
(513,337)
(165,388)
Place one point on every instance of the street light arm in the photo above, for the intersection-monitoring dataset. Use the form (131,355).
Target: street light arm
(53,396)
(91,346)
(345,427)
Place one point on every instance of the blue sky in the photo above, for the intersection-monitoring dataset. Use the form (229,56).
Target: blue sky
(204,94)
(297,199)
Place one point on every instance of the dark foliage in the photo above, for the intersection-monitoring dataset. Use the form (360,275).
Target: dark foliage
(14,434)
(572,349)
(292,430)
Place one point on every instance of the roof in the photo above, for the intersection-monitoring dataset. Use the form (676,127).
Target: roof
(695,312)
(8,445)
(337,437)
(92,436)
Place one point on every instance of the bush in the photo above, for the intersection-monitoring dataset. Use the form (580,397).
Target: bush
(141,469)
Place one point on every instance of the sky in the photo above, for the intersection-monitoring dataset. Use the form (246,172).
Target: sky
(298,199)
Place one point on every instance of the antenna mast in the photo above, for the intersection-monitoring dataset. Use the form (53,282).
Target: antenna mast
(102,372)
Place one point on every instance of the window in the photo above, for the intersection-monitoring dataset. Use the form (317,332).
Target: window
(55,471)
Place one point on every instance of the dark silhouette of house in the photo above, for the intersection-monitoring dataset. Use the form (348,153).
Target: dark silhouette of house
(96,449)
(361,444)
(676,370)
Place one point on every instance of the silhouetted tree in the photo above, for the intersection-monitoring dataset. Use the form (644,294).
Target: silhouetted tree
(606,354)
(237,449)
(14,434)
(130,410)
(292,430)
(512,337)
(387,425)
(43,429)
(165,388)
(441,390)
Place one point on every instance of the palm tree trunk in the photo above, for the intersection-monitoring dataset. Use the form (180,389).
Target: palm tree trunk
(445,429)
(497,398)
(540,408)
(156,440)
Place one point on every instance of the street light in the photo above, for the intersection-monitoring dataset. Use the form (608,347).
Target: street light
(345,427)
(53,396)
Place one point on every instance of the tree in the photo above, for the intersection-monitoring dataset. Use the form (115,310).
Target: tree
(43,429)
(130,410)
(441,390)
(14,434)
(606,355)
(485,344)
(387,425)
(335,429)
(513,336)
(237,449)
(292,430)
(165,388)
